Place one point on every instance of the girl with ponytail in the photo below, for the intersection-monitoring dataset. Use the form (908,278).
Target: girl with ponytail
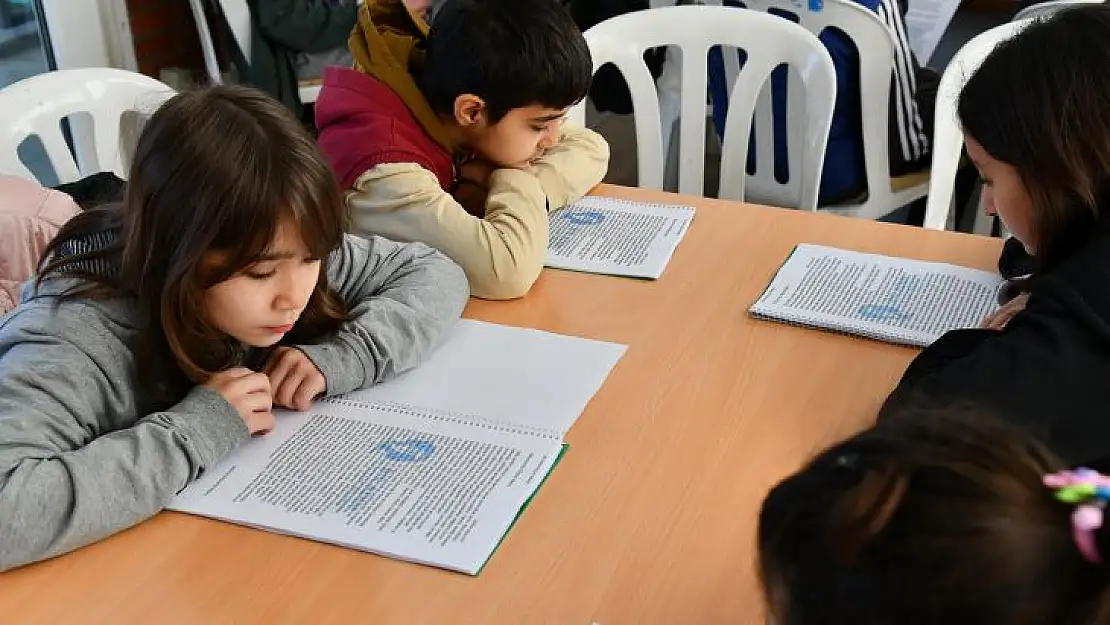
(940,518)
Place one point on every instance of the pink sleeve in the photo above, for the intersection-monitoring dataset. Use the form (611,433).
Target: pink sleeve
(9,295)
(30,216)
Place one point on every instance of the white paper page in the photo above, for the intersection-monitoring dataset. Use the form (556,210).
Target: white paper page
(502,373)
(423,490)
(616,237)
(926,21)
(895,299)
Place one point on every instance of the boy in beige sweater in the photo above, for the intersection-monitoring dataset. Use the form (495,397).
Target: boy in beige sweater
(456,137)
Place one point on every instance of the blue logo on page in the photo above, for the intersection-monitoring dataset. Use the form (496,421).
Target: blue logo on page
(583,217)
(880,312)
(407,451)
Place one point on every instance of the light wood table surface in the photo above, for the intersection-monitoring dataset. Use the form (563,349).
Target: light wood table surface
(650,517)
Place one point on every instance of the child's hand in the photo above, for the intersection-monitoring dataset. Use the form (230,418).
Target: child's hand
(472,198)
(477,172)
(999,318)
(294,378)
(249,393)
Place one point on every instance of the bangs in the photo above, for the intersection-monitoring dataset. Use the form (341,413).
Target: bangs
(316,208)
(292,187)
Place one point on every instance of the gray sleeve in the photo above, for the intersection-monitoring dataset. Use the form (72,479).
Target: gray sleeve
(67,478)
(402,299)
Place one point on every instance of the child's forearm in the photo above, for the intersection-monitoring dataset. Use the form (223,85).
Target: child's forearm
(55,499)
(402,300)
(502,253)
(572,168)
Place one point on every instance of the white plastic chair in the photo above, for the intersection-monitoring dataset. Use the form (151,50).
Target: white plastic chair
(669,87)
(770,41)
(1045,9)
(875,44)
(948,138)
(38,105)
(238,17)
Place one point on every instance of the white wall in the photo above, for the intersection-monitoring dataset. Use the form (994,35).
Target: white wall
(90,33)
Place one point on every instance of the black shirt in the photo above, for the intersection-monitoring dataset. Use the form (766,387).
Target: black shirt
(1048,370)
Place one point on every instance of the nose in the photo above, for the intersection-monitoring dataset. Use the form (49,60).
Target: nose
(550,138)
(284,301)
(292,293)
(986,199)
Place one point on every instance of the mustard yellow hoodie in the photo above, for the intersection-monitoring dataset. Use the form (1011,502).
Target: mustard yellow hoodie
(502,251)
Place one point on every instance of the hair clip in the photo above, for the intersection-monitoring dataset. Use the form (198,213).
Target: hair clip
(1089,492)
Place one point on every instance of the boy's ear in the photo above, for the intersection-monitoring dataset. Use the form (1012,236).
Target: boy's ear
(469,110)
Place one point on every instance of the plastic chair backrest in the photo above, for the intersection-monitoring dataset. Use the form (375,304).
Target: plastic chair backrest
(769,41)
(875,44)
(948,139)
(37,105)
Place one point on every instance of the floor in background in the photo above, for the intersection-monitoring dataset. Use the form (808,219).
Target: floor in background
(619,130)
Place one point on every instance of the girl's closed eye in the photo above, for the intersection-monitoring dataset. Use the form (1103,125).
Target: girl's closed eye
(259,273)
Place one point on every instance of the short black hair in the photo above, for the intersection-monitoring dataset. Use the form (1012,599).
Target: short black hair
(510,53)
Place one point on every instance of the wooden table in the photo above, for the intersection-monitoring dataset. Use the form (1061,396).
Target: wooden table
(650,517)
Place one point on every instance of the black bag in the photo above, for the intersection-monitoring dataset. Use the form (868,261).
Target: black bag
(95,190)
(609,91)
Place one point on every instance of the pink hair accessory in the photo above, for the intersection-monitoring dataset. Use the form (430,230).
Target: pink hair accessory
(1089,492)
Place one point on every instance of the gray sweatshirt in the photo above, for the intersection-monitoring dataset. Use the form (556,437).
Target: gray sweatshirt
(82,454)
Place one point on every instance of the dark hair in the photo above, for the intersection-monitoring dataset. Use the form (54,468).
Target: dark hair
(1040,102)
(926,519)
(215,170)
(510,53)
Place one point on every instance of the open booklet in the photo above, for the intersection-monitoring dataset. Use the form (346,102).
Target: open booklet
(889,299)
(404,469)
(616,237)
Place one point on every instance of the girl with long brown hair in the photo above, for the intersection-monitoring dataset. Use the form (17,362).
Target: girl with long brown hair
(1036,118)
(160,333)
